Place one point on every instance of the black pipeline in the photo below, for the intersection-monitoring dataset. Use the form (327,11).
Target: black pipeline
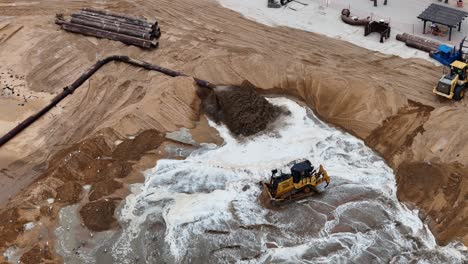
(71,88)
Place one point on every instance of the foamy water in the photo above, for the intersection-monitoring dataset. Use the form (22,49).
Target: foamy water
(205,209)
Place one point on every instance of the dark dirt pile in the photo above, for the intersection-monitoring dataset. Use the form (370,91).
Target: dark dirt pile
(10,225)
(37,255)
(241,109)
(134,149)
(93,162)
(104,188)
(99,215)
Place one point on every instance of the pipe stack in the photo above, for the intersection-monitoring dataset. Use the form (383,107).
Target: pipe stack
(418,42)
(128,29)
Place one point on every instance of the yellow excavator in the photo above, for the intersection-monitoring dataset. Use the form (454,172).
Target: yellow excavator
(454,84)
(300,183)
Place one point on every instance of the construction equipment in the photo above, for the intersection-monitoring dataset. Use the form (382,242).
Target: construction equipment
(273,4)
(382,27)
(280,3)
(454,84)
(300,183)
(285,2)
(446,54)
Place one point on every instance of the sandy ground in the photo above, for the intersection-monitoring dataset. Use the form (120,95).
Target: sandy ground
(383,99)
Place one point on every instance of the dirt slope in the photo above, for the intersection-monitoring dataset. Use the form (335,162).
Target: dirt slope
(368,94)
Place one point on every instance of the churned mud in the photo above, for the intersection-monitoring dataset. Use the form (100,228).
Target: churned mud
(92,172)
(240,108)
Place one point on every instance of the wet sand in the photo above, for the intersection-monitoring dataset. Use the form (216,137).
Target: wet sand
(367,98)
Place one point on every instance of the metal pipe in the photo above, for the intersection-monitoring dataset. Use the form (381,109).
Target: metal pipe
(405,37)
(112,22)
(100,33)
(127,18)
(420,46)
(112,28)
(85,76)
(92,16)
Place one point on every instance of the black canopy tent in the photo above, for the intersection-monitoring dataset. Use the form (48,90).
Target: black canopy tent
(443,15)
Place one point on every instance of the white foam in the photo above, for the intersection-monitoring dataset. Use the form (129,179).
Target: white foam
(29,226)
(217,186)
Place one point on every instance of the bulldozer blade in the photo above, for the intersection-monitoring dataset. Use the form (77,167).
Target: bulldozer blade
(265,198)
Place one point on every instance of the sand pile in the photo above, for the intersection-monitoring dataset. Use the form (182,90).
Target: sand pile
(241,108)
(228,51)
(92,162)
(440,189)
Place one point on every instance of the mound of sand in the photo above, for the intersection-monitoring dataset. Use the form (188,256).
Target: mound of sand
(241,109)
(353,88)
(441,191)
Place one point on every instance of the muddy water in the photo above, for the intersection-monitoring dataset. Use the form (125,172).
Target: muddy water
(205,209)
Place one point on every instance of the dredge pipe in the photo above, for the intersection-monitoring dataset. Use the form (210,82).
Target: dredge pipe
(405,37)
(420,46)
(110,20)
(85,76)
(112,28)
(100,33)
(127,18)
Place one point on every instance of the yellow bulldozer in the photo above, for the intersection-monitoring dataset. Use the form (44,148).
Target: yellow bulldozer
(454,84)
(300,183)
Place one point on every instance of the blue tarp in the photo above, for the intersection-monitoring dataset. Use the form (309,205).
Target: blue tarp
(445,49)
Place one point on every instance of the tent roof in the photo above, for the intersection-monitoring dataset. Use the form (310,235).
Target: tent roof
(443,15)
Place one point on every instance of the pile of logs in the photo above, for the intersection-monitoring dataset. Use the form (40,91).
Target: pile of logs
(128,29)
(418,42)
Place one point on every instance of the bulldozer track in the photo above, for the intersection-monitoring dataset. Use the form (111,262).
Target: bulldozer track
(8,30)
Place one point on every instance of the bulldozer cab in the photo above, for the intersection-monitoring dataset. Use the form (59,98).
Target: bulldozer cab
(459,68)
(301,170)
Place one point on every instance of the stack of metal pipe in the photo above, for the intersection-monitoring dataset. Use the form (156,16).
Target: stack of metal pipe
(128,29)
